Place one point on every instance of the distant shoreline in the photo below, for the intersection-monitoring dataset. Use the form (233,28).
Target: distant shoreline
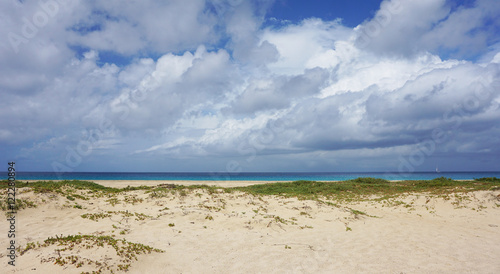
(256,177)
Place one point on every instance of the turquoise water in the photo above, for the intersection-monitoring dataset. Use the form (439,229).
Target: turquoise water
(253,176)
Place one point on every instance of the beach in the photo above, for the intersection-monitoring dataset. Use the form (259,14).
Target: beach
(209,230)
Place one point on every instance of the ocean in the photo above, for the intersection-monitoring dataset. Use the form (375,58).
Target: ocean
(247,176)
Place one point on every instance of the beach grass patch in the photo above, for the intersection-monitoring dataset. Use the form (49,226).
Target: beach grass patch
(19,205)
(71,251)
(77,206)
(113,201)
(349,190)
(95,216)
(362,188)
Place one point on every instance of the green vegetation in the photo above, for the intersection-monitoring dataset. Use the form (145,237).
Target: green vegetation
(164,190)
(132,200)
(362,187)
(488,179)
(311,190)
(113,201)
(315,190)
(19,205)
(107,214)
(59,186)
(95,216)
(67,189)
(127,251)
(141,216)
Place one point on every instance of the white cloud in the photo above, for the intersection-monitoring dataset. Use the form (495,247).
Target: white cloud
(298,44)
(161,26)
(278,92)
(431,25)
(207,83)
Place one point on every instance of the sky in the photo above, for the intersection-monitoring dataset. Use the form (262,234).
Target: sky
(250,86)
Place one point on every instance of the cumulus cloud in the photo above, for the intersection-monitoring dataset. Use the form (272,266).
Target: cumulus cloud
(300,46)
(407,28)
(206,86)
(161,26)
(279,91)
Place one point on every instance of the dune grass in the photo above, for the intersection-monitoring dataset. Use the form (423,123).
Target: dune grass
(54,186)
(349,189)
(64,188)
(126,251)
(369,186)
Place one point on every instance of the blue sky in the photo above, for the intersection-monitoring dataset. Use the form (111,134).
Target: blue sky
(352,13)
(233,85)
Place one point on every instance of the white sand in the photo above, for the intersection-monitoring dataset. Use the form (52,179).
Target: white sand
(240,233)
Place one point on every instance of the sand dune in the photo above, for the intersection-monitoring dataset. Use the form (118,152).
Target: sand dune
(208,232)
